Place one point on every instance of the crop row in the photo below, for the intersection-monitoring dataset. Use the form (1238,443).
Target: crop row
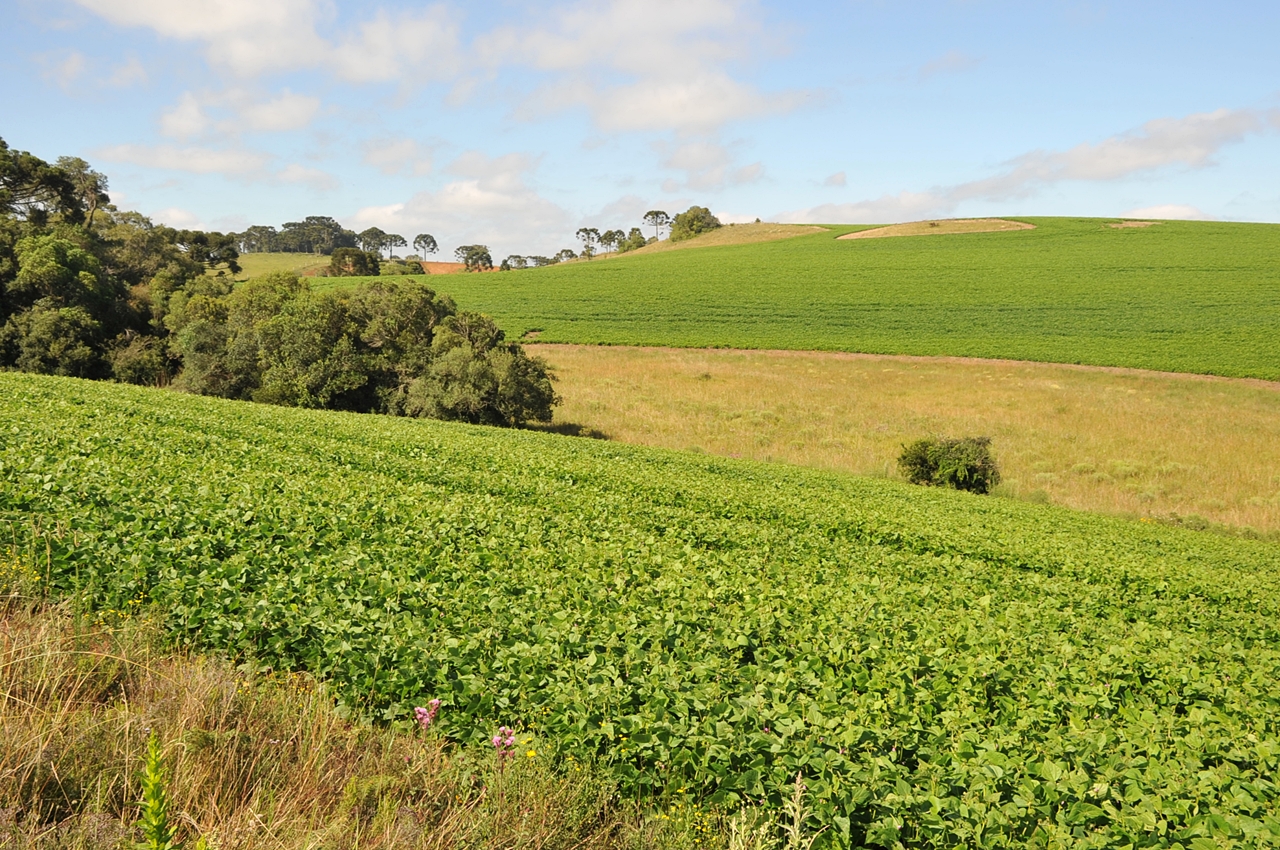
(944,670)
(1178,296)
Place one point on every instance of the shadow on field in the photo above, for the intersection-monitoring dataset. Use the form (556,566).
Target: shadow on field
(570,429)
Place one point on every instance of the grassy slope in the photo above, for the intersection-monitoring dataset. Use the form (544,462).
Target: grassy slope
(1180,296)
(945,670)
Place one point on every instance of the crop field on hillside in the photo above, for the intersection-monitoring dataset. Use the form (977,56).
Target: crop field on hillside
(944,670)
(256,264)
(1177,296)
(1181,448)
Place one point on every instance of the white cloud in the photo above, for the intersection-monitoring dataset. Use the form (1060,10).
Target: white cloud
(639,65)
(288,111)
(397,156)
(1169,211)
(951,62)
(735,218)
(129,73)
(194,159)
(312,177)
(1190,142)
(403,48)
(837,180)
(490,204)
(178,218)
(708,165)
(186,119)
(65,71)
(254,37)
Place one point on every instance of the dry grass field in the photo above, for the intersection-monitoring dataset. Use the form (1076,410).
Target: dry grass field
(1127,442)
(733,234)
(941,227)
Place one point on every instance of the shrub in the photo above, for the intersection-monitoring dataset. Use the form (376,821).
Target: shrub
(691,222)
(352,262)
(963,464)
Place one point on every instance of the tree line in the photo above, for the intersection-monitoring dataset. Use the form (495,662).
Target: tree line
(685,225)
(88,290)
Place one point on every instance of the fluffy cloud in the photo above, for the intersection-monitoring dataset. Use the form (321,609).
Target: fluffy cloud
(644,64)
(490,203)
(837,180)
(239,111)
(398,156)
(311,177)
(707,165)
(193,159)
(1190,142)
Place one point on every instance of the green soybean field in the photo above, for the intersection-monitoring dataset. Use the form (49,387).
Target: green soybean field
(943,670)
(1198,297)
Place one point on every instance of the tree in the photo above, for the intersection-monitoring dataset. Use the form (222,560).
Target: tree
(564,254)
(476,258)
(316,234)
(373,240)
(90,186)
(589,236)
(395,240)
(657,219)
(635,239)
(692,222)
(425,244)
(352,262)
(34,190)
(210,249)
(611,239)
(257,239)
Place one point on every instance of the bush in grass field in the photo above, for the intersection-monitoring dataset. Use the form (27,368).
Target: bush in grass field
(963,464)
(352,262)
(692,222)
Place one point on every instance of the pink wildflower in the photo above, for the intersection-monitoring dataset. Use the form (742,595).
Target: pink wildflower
(504,742)
(426,716)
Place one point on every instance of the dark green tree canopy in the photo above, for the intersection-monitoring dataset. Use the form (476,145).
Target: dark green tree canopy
(692,222)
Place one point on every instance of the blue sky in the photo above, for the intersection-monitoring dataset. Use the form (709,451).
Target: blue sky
(514,123)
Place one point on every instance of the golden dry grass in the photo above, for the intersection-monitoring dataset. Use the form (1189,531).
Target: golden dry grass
(261,761)
(1110,440)
(941,227)
(732,234)
(1122,225)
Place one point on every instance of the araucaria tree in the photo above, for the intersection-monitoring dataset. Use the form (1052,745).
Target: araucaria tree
(425,243)
(589,236)
(476,258)
(657,219)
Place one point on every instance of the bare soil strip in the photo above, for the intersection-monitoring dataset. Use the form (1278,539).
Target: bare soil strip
(1121,225)
(942,227)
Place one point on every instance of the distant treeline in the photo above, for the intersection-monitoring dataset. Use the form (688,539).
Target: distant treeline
(91,291)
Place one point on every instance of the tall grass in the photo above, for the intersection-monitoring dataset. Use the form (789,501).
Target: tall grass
(259,760)
(1181,449)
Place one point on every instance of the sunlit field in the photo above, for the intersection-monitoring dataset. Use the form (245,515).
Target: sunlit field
(1135,443)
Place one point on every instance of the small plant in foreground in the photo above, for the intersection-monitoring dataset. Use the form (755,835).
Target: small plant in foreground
(505,743)
(153,820)
(963,464)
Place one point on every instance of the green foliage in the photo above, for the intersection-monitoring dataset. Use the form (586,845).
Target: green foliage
(1070,291)
(963,464)
(346,262)
(476,258)
(397,268)
(53,340)
(944,671)
(692,222)
(388,347)
(153,814)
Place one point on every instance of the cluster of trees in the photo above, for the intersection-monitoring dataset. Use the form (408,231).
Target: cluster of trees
(391,347)
(517,261)
(685,225)
(320,234)
(88,290)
